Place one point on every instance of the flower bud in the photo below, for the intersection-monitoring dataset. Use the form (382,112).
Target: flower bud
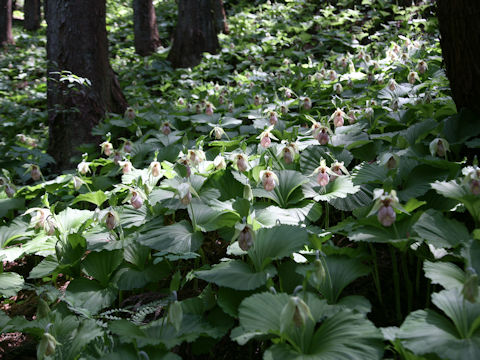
(209,109)
(47,346)
(245,239)
(307,103)
(127,147)
(323,137)
(35,173)
(475,187)
(386,215)
(166,128)
(283,109)
(287,155)
(273,118)
(136,201)
(155,169)
(186,199)
(111,220)
(318,274)
(338,88)
(351,117)
(117,157)
(130,113)
(9,190)
(241,163)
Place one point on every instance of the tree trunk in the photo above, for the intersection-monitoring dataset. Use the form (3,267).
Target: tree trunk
(31,14)
(6,36)
(460,41)
(195,33)
(221,24)
(147,39)
(78,43)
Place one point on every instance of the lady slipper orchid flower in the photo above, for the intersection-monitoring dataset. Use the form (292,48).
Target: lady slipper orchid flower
(422,67)
(184,193)
(246,237)
(338,118)
(83,167)
(273,118)
(209,109)
(269,180)
(338,169)
(472,179)
(332,75)
(240,162)
(266,136)
(107,148)
(338,88)
(439,147)
(322,134)
(413,77)
(323,173)
(219,162)
(257,100)
(217,132)
(392,85)
(352,116)
(196,156)
(289,152)
(126,166)
(307,103)
(385,205)
(42,219)
(127,146)
(155,169)
(9,190)
(166,129)
(111,219)
(130,113)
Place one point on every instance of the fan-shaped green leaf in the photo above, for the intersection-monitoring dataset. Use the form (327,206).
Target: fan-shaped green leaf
(443,273)
(10,283)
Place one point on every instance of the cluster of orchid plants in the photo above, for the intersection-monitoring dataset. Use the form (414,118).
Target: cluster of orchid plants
(308,194)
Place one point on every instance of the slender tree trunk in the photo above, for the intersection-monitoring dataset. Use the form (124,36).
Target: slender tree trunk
(6,36)
(32,14)
(78,43)
(460,41)
(220,16)
(195,33)
(147,39)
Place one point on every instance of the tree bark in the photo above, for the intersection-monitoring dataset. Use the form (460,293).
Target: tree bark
(460,42)
(6,36)
(195,33)
(78,43)
(147,39)
(31,14)
(220,16)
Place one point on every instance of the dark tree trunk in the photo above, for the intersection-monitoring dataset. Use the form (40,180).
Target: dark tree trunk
(147,39)
(195,33)
(6,36)
(460,41)
(220,16)
(78,43)
(31,14)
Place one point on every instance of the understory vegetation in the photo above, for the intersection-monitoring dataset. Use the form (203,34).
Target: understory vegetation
(309,192)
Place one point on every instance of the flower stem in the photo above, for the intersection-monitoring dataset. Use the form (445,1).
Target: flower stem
(376,277)
(396,283)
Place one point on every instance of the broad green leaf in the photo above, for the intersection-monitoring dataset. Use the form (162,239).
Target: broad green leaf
(176,238)
(97,198)
(89,295)
(444,273)
(273,215)
(44,268)
(341,187)
(276,243)
(339,272)
(10,204)
(10,283)
(101,265)
(310,157)
(70,220)
(284,193)
(235,274)
(440,231)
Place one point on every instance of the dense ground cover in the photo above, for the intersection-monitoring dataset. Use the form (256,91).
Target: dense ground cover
(307,193)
